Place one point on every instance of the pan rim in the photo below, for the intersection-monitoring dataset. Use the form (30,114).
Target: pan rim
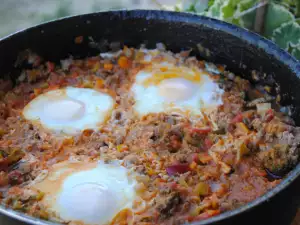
(252,38)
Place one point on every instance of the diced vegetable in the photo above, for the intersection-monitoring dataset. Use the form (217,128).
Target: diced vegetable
(225,168)
(37,91)
(68,141)
(182,182)
(242,150)
(207,214)
(247,114)
(40,196)
(193,165)
(96,67)
(45,146)
(242,128)
(124,62)
(44,85)
(202,130)
(139,55)
(262,108)
(88,84)
(194,158)
(269,115)
(208,143)
(276,127)
(92,62)
(32,96)
(15,155)
(238,118)
(32,75)
(214,201)
(268,88)
(151,172)
(204,158)
(128,51)
(99,83)
(78,40)
(50,66)
(43,214)
(87,132)
(2,132)
(202,189)
(122,148)
(17,205)
(177,168)
(108,66)
(3,179)
(197,210)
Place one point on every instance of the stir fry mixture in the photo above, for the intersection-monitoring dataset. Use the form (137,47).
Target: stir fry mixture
(138,136)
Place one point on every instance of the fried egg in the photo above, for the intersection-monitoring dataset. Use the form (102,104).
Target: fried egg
(69,110)
(90,193)
(170,88)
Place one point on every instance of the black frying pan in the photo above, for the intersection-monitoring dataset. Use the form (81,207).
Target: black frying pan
(241,50)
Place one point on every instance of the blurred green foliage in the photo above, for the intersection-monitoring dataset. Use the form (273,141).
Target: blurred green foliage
(281,22)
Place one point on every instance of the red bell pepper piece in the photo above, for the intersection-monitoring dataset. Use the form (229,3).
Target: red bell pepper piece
(50,66)
(237,119)
(208,143)
(202,130)
(269,115)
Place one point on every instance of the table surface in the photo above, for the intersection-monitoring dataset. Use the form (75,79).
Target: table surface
(6,221)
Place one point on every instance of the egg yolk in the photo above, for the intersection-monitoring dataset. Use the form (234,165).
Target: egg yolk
(162,73)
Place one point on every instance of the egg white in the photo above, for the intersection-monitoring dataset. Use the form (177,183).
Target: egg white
(69,110)
(92,193)
(175,95)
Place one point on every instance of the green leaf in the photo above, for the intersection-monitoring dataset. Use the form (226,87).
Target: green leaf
(228,9)
(288,34)
(296,51)
(239,12)
(275,17)
(247,19)
(192,8)
(215,9)
(210,3)
(177,9)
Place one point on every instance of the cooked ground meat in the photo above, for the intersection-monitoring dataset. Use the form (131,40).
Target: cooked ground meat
(167,208)
(190,167)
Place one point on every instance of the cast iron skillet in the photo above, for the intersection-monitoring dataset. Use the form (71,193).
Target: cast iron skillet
(241,50)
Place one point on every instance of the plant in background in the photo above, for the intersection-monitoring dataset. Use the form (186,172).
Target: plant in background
(278,20)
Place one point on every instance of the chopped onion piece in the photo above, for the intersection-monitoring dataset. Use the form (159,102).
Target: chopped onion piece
(262,108)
